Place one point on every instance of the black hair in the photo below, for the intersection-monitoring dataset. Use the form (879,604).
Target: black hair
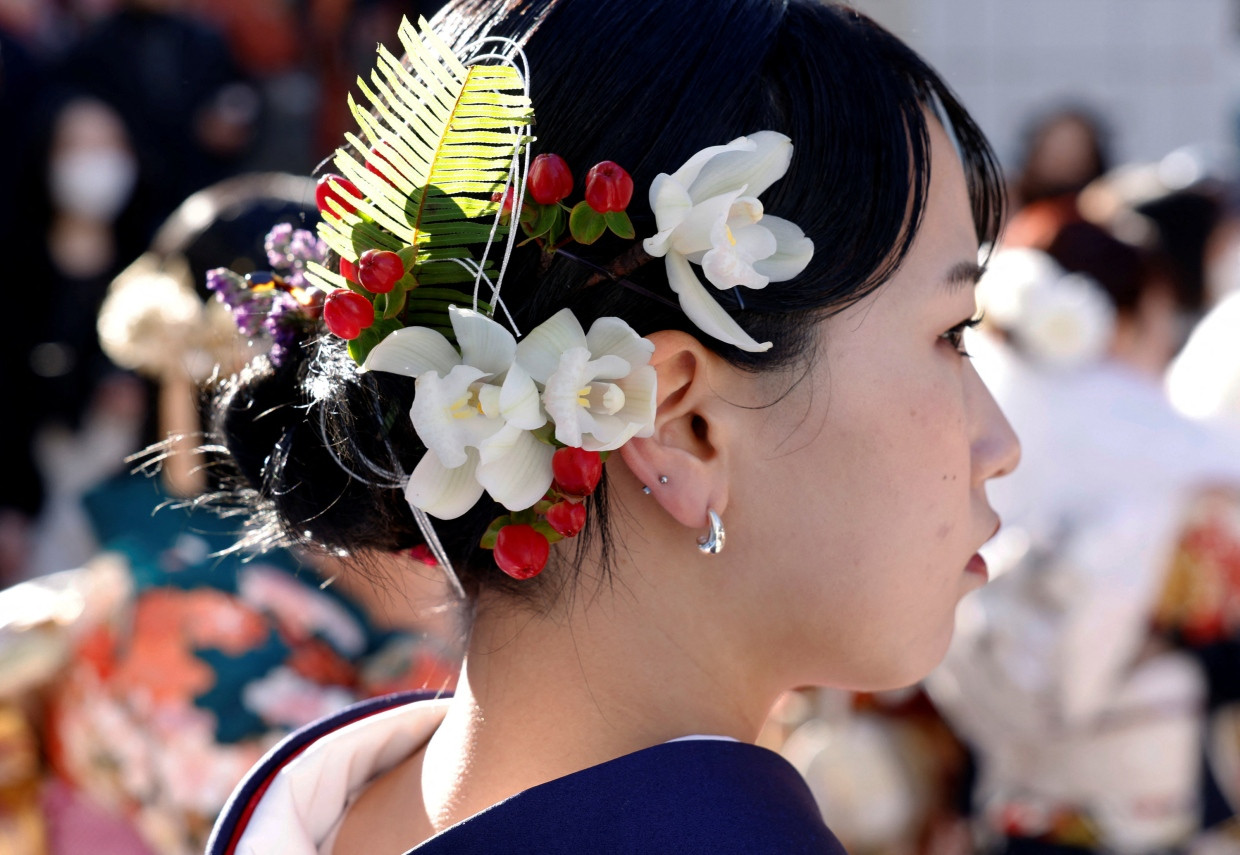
(646,84)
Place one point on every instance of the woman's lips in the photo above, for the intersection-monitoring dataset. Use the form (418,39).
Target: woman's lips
(977,565)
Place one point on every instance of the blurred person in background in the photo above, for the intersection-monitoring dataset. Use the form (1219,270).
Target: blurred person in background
(77,226)
(176,84)
(1080,675)
(1064,150)
(186,658)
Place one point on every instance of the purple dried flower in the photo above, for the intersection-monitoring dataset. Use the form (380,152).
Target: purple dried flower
(304,247)
(227,286)
(277,244)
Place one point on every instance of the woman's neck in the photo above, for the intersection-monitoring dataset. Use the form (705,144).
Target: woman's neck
(544,696)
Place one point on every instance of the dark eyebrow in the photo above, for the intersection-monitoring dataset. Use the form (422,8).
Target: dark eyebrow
(963,274)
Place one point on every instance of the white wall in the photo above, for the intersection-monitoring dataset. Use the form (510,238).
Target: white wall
(1162,73)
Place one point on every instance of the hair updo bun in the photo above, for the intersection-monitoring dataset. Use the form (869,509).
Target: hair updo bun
(646,84)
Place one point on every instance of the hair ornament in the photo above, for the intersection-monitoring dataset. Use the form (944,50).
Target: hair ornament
(421,216)
(708,213)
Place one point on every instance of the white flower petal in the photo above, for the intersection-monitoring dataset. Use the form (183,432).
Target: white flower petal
(754,242)
(702,309)
(440,431)
(607,433)
(561,393)
(698,231)
(725,267)
(519,403)
(792,254)
(640,389)
(612,335)
(539,352)
(670,202)
(606,367)
(659,244)
(442,492)
(484,343)
(413,351)
(745,211)
(687,174)
(615,439)
(515,468)
(757,168)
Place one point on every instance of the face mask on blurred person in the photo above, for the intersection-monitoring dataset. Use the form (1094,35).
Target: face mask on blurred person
(94,183)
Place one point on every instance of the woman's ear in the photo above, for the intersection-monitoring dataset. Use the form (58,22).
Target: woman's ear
(689,446)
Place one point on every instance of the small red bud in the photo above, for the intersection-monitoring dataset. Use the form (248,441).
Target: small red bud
(348,270)
(333,186)
(577,471)
(347,313)
(550,179)
(521,551)
(608,187)
(567,518)
(378,270)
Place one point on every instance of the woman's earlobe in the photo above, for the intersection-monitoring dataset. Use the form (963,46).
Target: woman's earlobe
(680,462)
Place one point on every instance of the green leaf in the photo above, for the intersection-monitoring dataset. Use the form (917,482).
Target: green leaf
(620,224)
(449,135)
(360,347)
(492,533)
(586,224)
(541,219)
(395,302)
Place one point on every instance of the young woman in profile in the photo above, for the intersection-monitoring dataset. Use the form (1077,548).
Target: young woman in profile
(773,351)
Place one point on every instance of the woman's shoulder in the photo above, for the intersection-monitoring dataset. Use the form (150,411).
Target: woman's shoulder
(702,795)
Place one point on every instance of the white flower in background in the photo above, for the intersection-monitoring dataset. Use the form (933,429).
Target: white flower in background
(1067,322)
(474,411)
(599,388)
(708,213)
(1055,318)
(1010,275)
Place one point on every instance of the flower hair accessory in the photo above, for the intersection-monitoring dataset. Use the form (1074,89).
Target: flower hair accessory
(420,214)
(708,213)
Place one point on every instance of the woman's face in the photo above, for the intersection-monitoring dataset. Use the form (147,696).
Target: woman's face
(864,507)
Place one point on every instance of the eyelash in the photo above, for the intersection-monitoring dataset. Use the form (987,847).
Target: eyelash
(955,335)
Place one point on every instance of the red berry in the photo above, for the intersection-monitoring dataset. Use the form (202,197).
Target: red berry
(505,214)
(378,270)
(567,518)
(333,186)
(577,471)
(347,313)
(521,551)
(348,270)
(608,187)
(550,179)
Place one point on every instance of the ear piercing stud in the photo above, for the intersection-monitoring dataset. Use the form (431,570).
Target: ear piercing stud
(662,480)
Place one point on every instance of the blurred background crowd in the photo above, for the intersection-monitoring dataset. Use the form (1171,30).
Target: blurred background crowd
(1091,698)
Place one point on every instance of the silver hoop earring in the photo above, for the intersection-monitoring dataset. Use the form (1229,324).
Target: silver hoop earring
(711,543)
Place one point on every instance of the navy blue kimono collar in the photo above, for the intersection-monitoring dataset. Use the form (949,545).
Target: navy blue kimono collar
(688,796)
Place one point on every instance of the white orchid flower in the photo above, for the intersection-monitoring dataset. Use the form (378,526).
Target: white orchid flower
(708,213)
(599,387)
(474,411)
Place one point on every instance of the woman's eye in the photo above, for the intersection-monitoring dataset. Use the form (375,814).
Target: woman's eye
(955,335)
